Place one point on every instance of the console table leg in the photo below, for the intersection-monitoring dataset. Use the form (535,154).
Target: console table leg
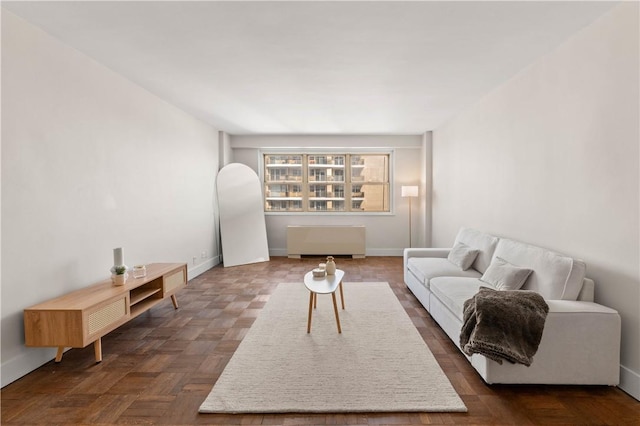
(341,295)
(97,349)
(174,300)
(59,354)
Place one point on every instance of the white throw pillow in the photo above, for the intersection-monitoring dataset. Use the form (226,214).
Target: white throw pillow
(462,256)
(504,276)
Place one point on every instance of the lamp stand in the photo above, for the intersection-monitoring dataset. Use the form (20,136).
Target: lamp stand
(410,222)
(409,191)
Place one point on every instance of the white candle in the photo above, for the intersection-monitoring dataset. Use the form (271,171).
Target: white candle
(118,257)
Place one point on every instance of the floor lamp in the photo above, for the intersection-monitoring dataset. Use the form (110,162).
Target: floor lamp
(409,192)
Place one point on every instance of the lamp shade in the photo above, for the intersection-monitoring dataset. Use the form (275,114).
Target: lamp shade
(409,191)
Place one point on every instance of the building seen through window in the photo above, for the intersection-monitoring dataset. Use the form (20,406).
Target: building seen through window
(326,182)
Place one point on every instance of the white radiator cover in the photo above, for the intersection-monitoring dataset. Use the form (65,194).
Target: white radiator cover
(326,240)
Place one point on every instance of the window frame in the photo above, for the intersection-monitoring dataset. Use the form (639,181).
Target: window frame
(347,188)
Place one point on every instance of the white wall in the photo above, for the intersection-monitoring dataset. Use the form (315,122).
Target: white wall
(552,158)
(388,234)
(90,162)
(426,188)
(225,152)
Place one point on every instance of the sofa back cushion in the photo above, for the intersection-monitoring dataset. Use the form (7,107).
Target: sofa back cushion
(484,243)
(554,276)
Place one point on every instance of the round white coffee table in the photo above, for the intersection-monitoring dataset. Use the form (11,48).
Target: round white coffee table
(324,285)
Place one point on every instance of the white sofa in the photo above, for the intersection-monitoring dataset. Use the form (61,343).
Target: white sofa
(581,339)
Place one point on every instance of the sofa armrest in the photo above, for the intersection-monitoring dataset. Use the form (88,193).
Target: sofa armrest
(580,345)
(587,291)
(585,335)
(577,306)
(424,252)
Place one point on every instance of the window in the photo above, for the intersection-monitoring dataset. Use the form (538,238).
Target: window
(326,182)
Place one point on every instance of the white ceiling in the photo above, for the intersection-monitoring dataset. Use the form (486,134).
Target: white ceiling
(315,67)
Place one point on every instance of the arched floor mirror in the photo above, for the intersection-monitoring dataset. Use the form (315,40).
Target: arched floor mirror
(242,224)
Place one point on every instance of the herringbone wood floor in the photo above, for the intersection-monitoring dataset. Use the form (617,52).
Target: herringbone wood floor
(160,367)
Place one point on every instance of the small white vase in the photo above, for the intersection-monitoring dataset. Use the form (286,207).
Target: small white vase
(120,279)
(331,266)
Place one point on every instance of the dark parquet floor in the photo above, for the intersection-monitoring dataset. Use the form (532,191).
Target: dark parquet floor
(160,367)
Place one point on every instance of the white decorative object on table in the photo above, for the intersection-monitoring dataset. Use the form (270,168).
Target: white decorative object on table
(139,271)
(318,273)
(120,275)
(118,256)
(330,266)
(118,259)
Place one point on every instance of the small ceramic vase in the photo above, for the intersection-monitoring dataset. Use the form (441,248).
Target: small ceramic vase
(120,279)
(330,266)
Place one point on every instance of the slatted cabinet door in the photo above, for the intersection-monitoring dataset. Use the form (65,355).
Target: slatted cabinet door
(173,281)
(106,317)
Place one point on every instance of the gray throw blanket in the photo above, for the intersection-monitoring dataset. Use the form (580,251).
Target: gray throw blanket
(503,325)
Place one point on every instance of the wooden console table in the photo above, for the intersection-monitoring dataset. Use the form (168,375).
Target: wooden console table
(82,317)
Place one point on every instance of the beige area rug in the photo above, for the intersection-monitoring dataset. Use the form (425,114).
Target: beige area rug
(378,364)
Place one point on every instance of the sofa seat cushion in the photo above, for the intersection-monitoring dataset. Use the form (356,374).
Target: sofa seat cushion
(426,268)
(554,276)
(454,291)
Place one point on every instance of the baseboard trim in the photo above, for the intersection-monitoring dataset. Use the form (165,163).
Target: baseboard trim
(25,363)
(630,382)
(202,267)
